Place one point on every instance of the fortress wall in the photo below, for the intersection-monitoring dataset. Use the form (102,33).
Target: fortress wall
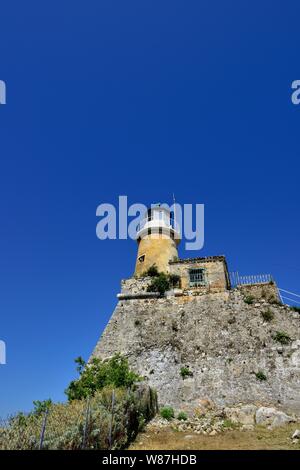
(135,285)
(221,339)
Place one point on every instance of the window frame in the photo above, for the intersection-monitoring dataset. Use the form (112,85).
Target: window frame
(198,282)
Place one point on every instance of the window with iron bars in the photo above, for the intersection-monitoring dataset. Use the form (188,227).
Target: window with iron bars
(197,277)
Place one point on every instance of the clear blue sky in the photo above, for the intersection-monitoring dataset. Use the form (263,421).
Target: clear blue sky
(141,98)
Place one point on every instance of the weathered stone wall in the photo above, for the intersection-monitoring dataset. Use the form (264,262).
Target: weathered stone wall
(215,273)
(135,285)
(221,339)
(268,291)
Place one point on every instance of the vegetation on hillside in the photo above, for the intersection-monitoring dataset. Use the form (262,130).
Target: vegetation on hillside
(185,372)
(267,315)
(167,412)
(106,408)
(282,337)
(98,374)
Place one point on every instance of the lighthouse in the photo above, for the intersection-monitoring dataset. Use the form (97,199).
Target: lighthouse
(158,236)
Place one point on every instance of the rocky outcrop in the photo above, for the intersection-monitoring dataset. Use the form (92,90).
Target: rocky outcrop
(216,420)
(272,418)
(296,434)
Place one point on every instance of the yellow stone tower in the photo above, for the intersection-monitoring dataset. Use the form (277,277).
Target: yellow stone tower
(158,236)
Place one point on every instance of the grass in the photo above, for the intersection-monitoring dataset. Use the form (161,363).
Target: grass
(282,337)
(274,301)
(258,439)
(228,424)
(185,372)
(267,315)
(261,376)
(65,427)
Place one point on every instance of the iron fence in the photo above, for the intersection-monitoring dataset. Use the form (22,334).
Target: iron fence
(237,280)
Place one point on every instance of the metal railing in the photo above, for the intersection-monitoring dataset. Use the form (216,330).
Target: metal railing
(292,298)
(237,280)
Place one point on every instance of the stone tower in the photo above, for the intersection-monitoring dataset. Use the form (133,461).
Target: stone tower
(157,237)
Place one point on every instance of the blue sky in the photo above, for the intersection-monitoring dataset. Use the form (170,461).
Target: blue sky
(109,98)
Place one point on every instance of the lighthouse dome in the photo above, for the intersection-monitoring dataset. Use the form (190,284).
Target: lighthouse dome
(159,220)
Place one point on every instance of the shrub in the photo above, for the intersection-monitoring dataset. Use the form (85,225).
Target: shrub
(185,372)
(159,284)
(152,271)
(274,301)
(162,282)
(249,299)
(296,309)
(167,412)
(267,315)
(83,423)
(182,416)
(260,376)
(137,322)
(99,374)
(282,337)
(228,424)
(174,280)
(41,406)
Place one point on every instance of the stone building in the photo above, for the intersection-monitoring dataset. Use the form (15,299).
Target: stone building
(204,338)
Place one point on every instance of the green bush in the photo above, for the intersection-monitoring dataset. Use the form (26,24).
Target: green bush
(167,412)
(185,372)
(228,424)
(182,416)
(160,284)
(99,374)
(260,376)
(174,280)
(152,271)
(282,337)
(267,315)
(249,299)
